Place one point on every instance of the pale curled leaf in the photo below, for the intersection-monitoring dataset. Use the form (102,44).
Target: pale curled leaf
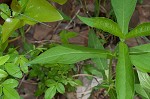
(124,74)
(144,79)
(123,10)
(141,91)
(105,24)
(68,54)
(140,30)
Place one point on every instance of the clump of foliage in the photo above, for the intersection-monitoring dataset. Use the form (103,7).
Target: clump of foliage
(57,62)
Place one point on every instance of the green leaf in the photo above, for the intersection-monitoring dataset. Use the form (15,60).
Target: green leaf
(13,70)
(60,88)
(10,93)
(123,10)
(65,35)
(141,91)
(68,54)
(144,79)
(140,30)
(9,27)
(105,24)
(3,74)
(112,94)
(4,59)
(5,11)
(22,62)
(60,1)
(50,92)
(141,61)
(40,11)
(12,83)
(124,74)
(139,56)
(94,42)
(15,6)
(141,49)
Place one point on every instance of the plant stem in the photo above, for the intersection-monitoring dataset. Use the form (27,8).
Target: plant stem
(110,70)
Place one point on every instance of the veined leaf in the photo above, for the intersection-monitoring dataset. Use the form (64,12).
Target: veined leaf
(144,80)
(139,56)
(60,1)
(94,42)
(12,83)
(141,61)
(124,74)
(123,10)
(60,88)
(13,70)
(140,30)
(4,11)
(105,24)
(68,54)
(10,93)
(50,92)
(141,91)
(8,27)
(40,11)
(141,49)
(3,74)
(3,59)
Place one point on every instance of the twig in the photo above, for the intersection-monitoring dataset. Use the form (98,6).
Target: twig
(72,19)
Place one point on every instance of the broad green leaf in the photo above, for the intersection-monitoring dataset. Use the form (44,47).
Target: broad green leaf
(123,10)
(5,11)
(140,30)
(3,74)
(8,27)
(124,74)
(4,59)
(40,11)
(105,24)
(139,56)
(10,93)
(94,42)
(66,35)
(60,88)
(13,70)
(141,91)
(141,61)
(15,6)
(60,1)
(144,79)
(141,49)
(68,54)
(12,83)
(50,92)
